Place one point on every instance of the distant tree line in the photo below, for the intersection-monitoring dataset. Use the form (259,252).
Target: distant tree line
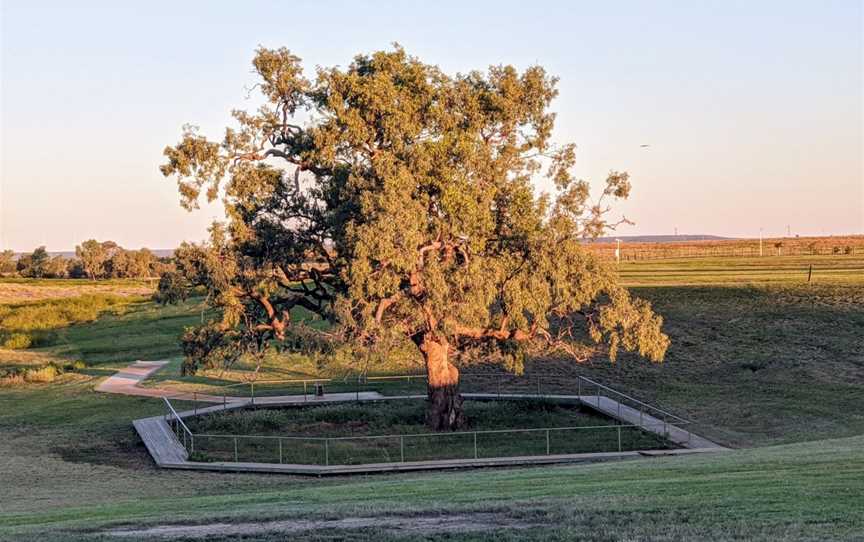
(93,260)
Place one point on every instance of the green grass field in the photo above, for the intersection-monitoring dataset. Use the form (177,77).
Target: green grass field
(762,359)
(767,270)
(73,468)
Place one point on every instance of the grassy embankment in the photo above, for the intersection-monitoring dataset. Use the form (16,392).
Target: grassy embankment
(758,355)
(73,468)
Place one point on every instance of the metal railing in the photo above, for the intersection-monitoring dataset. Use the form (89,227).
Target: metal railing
(353,450)
(179,427)
(651,426)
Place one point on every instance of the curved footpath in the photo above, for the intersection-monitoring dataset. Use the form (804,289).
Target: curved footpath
(128,380)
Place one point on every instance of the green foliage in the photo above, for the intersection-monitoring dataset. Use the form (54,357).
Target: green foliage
(209,347)
(172,289)
(57,268)
(404,209)
(17,341)
(34,265)
(93,255)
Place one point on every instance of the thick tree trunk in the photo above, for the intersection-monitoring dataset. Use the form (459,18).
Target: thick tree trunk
(444,411)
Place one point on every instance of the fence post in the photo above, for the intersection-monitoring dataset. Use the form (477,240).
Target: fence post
(280,451)
(304,391)
(475,444)
(236,457)
(253,392)
(357,388)
(547,442)
(619,438)
(192,444)
(327,451)
(402,448)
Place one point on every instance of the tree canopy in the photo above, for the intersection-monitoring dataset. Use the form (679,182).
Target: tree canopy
(398,202)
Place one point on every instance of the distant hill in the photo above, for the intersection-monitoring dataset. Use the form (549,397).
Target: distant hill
(659,238)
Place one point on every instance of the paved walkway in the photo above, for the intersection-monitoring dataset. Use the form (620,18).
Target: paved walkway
(127,382)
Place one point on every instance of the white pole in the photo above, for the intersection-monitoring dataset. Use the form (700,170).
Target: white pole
(618,251)
(760,242)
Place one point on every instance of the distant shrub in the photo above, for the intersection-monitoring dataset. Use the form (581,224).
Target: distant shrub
(11,378)
(43,374)
(16,376)
(173,289)
(17,341)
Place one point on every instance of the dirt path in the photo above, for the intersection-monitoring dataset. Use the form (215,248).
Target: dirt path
(420,525)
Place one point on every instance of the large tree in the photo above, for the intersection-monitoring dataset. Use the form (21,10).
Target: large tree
(7,262)
(35,264)
(94,256)
(399,202)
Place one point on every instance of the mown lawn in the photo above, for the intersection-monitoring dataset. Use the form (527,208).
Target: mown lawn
(73,468)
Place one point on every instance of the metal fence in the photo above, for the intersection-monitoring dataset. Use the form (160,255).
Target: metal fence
(647,426)
(688,251)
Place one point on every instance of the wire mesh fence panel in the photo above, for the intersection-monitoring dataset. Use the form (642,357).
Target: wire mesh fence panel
(436,446)
(583,440)
(395,385)
(511,444)
(358,451)
(637,438)
(213,448)
(256,449)
(302,451)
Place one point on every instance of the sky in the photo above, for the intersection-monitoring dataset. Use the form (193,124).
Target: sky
(752,110)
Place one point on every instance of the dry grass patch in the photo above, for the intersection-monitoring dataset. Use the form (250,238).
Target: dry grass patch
(22,292)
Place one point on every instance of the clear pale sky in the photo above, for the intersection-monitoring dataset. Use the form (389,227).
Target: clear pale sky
(753,110)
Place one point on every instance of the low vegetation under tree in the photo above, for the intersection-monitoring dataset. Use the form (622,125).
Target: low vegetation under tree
(397,201)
